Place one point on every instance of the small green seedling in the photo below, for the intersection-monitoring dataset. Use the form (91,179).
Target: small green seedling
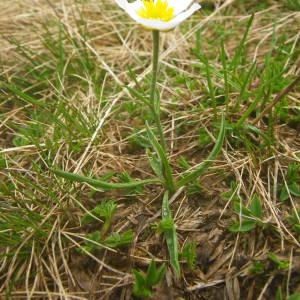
(94,242)
(104,211)
(143,284)
(249,218)
(256,267)
(280,264)
(189,255)
(292,182)
(116,240)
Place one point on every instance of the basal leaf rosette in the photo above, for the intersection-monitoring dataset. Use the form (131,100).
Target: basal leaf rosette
(160,15)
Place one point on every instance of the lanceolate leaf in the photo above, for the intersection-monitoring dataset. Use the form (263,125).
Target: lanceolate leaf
(294,189)
(154,275)
(170,235)
(166,169)
(102,184)
(150,276)
(255,206)
(155,164)
(245,225)
(159,274)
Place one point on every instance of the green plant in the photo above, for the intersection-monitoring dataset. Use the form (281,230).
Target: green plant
(295,296)
(292,185)
(143,284)
(189,255)
(104,210)
(280,264)
(249,218)
(103,184)
(294,221)
(97,240)
(167,227)
(93,241)
(293,4)
(256,267)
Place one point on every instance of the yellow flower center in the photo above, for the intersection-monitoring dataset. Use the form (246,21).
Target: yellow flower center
(156,10)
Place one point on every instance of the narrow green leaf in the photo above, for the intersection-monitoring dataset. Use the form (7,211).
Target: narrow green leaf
(251,107)
(278,294)
(218,74)
(239,50)
(281,264)
(102,184)
(204,165)
(284,195)
(256,207)
(150,275)
(244,86)
(256,267)
(138,95)
(166,169)
(139,279)
(154,275)
(133,77)
(155,164)
(294,189)
(139,288)
(295,296)
(259,96)
(141,293)
(29,99)
(183,163)
(240,209)
(225,74)
(244,226)
(159,274)
(170,235)
(296,227)
(188,253)
(209,83)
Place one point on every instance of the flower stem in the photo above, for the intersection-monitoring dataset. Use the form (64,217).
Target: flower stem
(155,108)
(154,103)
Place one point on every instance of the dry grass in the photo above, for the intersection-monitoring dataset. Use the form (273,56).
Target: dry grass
(50,267)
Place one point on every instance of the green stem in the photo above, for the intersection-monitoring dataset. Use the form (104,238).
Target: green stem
(155,106)
(161,149)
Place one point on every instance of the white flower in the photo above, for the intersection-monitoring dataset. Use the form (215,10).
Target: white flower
(161,15)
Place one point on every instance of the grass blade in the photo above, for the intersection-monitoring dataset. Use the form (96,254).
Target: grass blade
(244,86)
(239,50)
(225,74)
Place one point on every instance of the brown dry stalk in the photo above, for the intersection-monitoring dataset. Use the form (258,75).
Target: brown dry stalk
(283,93)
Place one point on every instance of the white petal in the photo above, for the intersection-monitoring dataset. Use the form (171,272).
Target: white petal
(179,5)
(134,6)
(161,25)
(122,3)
